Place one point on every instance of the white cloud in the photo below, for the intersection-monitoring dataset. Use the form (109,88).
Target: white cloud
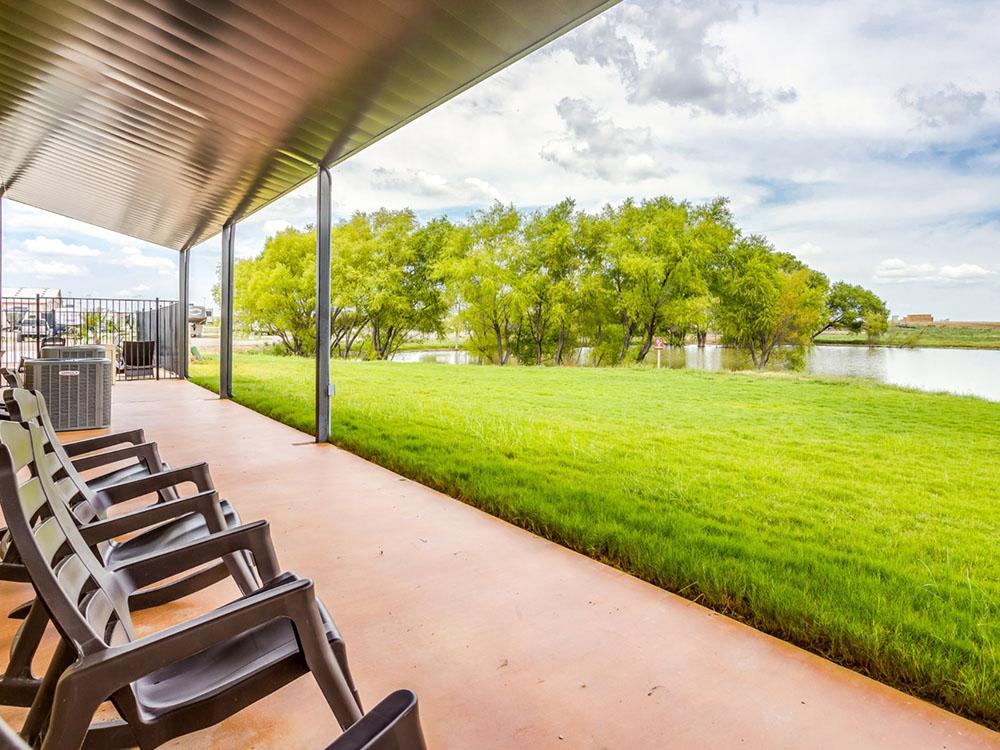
(425,184)
(807,250)
(41,245)
(597,147)
(139,290)
(417,181)
(275,226)
(899,271)
(481,190)
(35,267)
(965,272)
(666,52)
(131,256)
(946,106)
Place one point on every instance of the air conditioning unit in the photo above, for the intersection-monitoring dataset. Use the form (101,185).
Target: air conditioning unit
(77,391)
(74,351)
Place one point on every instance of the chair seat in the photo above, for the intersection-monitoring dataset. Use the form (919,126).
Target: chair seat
(218,669)
(183,530)
(124,474)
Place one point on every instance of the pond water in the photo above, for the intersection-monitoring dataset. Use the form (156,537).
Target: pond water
(974,372)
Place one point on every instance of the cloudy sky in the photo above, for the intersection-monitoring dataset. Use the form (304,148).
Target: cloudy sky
(864,137)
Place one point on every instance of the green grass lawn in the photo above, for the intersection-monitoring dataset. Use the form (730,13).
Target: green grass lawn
(857,520)
(929,336)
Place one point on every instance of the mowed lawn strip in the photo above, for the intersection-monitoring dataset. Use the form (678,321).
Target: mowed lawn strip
(857,520)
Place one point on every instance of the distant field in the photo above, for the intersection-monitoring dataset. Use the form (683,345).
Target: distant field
(930,336)
(859,521)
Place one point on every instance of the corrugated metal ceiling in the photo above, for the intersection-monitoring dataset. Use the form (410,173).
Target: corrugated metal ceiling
(161,119)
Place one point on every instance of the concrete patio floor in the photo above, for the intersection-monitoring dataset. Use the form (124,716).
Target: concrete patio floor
(510,641)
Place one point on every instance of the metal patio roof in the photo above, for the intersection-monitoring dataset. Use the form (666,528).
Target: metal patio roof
(162,119)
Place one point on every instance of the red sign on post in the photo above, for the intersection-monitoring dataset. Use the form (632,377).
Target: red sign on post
(658,343)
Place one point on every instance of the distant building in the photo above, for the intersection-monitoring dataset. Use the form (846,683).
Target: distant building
(921,319)
(20,298)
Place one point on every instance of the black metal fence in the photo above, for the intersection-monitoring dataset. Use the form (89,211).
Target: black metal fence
(140,335)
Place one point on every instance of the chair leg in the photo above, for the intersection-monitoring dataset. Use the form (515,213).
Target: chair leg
(18,686)
(41,707)
(325,669)
(242,572)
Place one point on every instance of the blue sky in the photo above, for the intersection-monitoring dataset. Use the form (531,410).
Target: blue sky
(863,137)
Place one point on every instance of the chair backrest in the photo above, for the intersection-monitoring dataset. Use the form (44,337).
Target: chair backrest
(29,408)
(393,724)
(138,353)
(11,378)
(54,341)
(87,604)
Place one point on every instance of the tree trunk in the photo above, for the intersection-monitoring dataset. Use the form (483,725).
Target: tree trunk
(499,333)
(561,344)
(648,341)
(629,330)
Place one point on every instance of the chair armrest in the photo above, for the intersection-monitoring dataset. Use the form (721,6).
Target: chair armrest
(204,503)
(157,566)
(99,675)
(197,474)
(146,452)
(78,447)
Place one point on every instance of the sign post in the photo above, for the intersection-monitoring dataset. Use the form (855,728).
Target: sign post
(658,345)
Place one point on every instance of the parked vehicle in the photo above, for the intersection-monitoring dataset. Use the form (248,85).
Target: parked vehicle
(65,321)
(33,328)
(197,317)
(12,321)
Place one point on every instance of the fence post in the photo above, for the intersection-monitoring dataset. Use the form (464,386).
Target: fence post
(38,325)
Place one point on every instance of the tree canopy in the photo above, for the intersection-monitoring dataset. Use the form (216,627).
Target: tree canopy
(534,287)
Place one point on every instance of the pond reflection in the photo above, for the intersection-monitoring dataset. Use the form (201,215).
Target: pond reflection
(973,372)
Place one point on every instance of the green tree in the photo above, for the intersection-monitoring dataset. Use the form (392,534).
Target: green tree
(276,291)
(766,302)
(854,308)
(482,266)
(548,278)
(650,257)
(385,276)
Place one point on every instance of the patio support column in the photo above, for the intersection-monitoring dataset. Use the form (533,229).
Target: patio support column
(183,300)
(226,314)
(323,228)
(3,189)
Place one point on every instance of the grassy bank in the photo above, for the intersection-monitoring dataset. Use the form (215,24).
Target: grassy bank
(947,337)
(857,520)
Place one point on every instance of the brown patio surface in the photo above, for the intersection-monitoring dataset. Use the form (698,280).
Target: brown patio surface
(510,641)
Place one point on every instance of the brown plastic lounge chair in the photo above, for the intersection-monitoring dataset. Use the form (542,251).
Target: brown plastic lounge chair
(95,452)
(11,378)
(196,516)
(153,528)
(394,724)
(175,681)
(138,359)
